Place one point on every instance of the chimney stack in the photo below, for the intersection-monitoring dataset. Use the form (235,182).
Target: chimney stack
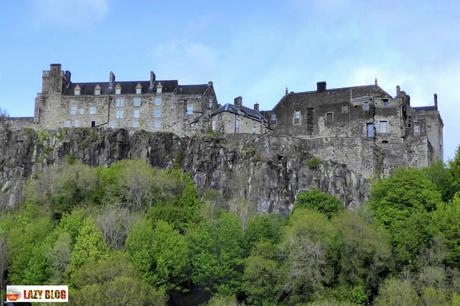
(398,91)
(111,79)
(152,79)
(256,106)
(321,86)
(435,101)
(238,101)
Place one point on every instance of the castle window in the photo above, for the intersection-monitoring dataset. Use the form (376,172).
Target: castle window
(416,129)
(344,109)
(97,90)
(366,106)
(77,123)
(119,114)
(273,117)
(254,130)
(113,125)
(157,101)
(157,113)
(157,123)
(159,88)
(67,123)
(73,110)
(82,111)
(383,126)
(135,123)
(237,124)
(210,102)
(137,101)
(120,102)
(136,113)
(92,110)
(189,109)
(77,90)
(214,123)
(370,130)
(297,117)
(118,89)
(329,117)
(386,103)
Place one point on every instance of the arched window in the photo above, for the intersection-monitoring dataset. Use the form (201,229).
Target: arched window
(77,90)
(138,89)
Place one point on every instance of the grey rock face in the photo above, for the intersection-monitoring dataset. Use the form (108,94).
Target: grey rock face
(265,172)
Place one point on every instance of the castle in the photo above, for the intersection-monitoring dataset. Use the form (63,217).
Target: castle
(363,127)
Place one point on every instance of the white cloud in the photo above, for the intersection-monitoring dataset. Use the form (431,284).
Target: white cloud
(71,13)
(192,61)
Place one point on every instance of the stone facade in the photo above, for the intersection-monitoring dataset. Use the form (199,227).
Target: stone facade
(154,105)
(363,127)
(238,119)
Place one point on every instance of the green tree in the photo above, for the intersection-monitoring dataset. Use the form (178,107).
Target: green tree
(216,250)
(311,246)
(365,254)
(402,204)
(161,254)
(264,275)
(454,174)
(394,292)
(447,224)
(262,227)
(324,203)
(113,281)
(89,246)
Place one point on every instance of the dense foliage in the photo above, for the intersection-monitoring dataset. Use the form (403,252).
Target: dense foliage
(130,234)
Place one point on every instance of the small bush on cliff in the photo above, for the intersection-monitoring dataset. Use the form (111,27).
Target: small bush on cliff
(319,201)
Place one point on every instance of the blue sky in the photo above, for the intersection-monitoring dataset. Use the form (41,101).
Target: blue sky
(249,48)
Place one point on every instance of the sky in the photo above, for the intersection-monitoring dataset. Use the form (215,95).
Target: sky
(250,48)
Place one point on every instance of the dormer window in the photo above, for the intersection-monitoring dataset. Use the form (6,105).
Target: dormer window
(97,90)
(118,89)
(159,88)
(77,90)
(138,89)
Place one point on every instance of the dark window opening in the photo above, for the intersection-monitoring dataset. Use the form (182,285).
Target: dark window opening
(329,117)
(93,123)
(386,103)
(310,117)
(384,141)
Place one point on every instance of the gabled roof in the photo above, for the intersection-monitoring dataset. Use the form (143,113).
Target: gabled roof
(129,87)
(334,95)
(240,110)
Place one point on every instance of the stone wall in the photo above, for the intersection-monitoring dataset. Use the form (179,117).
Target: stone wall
(226,121)
(265,172)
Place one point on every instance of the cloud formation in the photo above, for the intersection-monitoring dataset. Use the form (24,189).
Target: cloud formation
(71,13)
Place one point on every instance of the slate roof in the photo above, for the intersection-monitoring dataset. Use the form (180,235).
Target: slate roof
(129,87)
(240,110)
(424,108)
(333,95)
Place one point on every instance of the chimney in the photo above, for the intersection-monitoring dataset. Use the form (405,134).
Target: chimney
(68,75)
(55,67)
(398,91)
(238,101)
(321,86)
(152,79)
(256,106)
(435,101)
(210,84)
(111,79)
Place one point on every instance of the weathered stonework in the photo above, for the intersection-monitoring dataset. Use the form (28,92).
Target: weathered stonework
(153,105)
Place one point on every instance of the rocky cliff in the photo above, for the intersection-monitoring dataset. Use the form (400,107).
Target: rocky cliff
(264,172)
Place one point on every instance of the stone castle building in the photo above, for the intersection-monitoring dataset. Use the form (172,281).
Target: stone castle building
(363,127)
(153,105)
